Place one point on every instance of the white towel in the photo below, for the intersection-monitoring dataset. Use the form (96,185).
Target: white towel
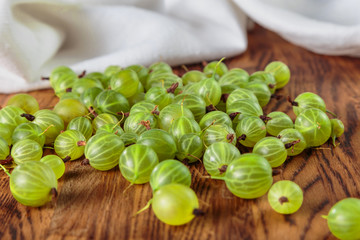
(38,35)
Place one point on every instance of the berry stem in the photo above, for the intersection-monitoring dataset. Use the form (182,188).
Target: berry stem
(67,158)
(5,170)
(172,88)
(144,208)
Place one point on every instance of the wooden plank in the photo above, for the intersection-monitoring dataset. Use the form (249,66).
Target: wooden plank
(91,204)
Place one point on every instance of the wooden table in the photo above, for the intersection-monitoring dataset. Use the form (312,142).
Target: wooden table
(91,204)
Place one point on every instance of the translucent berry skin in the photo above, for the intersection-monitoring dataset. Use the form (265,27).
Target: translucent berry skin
(45,118)
(244,107)
(266,78)
(83,84)
(4,149)
(285,197)
(272,149)
(218,156)
(129,138)
(26,150)
(103,151)
(160,141)
(218,133)
(110,128)
(215,117)
(192,77)
(125,82)
(6,132)
(28,130)
(210,91)
(253,128)
(278,122)
(261,91)
(137,162)
(10,115)
(280,71)
(190,148)
(110,101)
(159,96)
(314,125)
(249,176)
(67,144)
(31,183)
(55,163)
(134,122)
(344,219)
(219,68)
(194,103)
(308,100)
(337,129)
(172,112)
(88,96)
(169,171)
(83,125)
(290,135)
(102,119)
(70,108)
(24,101)
(240,94)
(174,204)
(182,126)
(236,76)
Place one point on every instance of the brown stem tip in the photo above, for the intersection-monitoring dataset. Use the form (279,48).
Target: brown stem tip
(146,124)
(85,162)
(54,192)
(67,158)
(291,144)
(198,212)
(81,75)
(210,108)
(29,117)
(230,137)
(224,97)
(233,115)
(265,118)
(241,138)
(45,78)
(292,102)
(276,172)
(223,169)
(8,160)
(124,114)
(283,200)
(277,97)
(81,143)
(172,88)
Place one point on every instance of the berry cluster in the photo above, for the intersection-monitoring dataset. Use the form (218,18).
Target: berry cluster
(149,121)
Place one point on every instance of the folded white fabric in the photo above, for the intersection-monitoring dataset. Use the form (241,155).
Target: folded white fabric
(37,35)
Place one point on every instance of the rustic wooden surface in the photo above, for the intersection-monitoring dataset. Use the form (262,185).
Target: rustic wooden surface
(91,204)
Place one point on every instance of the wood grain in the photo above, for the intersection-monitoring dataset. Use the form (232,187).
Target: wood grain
(91,204)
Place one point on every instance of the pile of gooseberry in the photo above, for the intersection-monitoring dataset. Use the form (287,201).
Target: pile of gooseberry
(150,121)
